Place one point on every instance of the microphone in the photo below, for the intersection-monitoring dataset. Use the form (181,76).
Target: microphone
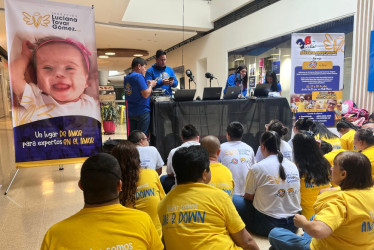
(189,74)
(209,75)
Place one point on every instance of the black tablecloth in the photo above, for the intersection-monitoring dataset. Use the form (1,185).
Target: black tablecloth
(212,118)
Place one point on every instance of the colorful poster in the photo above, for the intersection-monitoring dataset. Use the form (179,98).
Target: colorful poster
(54,80)
(317,66)
(371,63)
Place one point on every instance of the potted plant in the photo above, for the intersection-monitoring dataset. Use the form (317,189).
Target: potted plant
(110,116)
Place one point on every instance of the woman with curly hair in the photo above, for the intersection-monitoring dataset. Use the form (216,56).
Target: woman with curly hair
(141,188)
(313,170)
(285,148)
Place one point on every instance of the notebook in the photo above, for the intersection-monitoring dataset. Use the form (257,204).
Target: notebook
(213,93)
(184,95)
(262,90)
(232,92)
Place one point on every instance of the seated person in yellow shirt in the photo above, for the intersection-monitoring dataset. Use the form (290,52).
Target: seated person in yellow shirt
(344,218)
(103,223)
(195,215)
(347,131)
(364,143)
(314,170)
(142,187)
(221,175)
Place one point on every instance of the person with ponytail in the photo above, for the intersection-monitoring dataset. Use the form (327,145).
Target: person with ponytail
(238,78)
(364,143)
(272,192)
(137,181)
(285,148)
(347,131)
(303,124)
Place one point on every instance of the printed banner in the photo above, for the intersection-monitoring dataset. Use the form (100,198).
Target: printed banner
(371,63)
(317,66)
(53,79)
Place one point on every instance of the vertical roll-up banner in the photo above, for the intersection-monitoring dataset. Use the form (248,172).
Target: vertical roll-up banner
(317,61)
(53,79)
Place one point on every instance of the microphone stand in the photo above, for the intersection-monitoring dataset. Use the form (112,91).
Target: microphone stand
(189,83)
(210,82)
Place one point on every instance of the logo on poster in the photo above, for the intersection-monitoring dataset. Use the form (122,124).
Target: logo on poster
(36,19)
(306,43)
(334,44)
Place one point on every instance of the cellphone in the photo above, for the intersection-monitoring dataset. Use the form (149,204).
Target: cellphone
(171,78)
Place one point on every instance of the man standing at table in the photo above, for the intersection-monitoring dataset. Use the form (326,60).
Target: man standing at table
(162,74)
(137,91)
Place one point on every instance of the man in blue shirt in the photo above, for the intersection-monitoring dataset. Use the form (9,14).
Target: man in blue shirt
(137,91)
(162,74)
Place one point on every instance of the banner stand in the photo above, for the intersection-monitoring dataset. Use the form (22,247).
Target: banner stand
(59,162)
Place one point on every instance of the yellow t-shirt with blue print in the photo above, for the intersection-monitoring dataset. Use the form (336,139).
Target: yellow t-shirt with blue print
(106,227)
(222,178)
(309,193)
(350,215)
(346,141)
(198,216)
(149,193)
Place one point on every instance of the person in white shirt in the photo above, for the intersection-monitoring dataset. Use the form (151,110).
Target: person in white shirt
(272,190)
(150,158)
(190,137)
(237,156)
(285,148)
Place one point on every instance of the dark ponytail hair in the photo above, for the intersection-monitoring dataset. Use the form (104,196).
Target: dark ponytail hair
(271,141)
(344,124)
(277,126)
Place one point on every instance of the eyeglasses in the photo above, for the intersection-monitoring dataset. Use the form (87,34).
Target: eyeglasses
(331,103)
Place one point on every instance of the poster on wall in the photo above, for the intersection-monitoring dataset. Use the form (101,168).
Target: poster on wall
(321,106)
(371,63)
(317,66)
(252,75)
(53,79)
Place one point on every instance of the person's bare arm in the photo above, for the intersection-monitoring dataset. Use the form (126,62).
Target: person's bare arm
(18,69)
(316,229)
(147,92)
(159,171)
(249,197)
(244,240)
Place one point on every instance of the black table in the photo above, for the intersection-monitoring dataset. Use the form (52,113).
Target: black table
(212,118)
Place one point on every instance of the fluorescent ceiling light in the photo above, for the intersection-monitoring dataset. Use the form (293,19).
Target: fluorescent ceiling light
(110,53)
(103,57)
(138,55)
(239,59)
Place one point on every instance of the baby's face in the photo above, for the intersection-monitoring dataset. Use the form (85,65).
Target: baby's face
(61,72)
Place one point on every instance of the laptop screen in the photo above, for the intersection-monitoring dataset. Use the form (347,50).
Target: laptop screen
(213,93)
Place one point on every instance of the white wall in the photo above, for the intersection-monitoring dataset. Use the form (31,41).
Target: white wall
(278,19)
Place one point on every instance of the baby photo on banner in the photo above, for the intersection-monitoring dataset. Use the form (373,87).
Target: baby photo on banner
(54,80)
(317,66)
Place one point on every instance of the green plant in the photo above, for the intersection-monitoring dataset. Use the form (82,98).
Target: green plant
(110,112)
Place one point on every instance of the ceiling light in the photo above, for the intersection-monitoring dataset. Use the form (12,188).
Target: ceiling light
(103,57)
(137,55)
(275,54)
(110,53)
(239,59)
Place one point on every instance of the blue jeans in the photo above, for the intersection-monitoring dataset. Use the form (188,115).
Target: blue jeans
(167,182)
(258,222)
(140,122)
(281,238)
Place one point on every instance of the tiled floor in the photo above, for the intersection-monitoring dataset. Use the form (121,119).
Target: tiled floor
(40,197)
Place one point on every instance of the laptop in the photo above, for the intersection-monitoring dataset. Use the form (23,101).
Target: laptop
(213,93)
(184,95)
(232,92)
(262,90)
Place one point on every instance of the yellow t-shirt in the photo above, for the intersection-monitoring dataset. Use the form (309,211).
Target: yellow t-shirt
(369,152)
(350,216)
(106,227)
(335,142)
(222,178)
(198,216)
(346,141)
(300,106)
(309,193)
(149,193)
(330,156)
